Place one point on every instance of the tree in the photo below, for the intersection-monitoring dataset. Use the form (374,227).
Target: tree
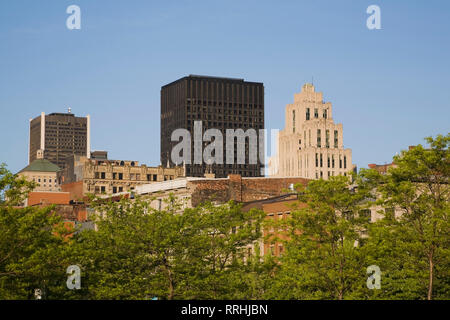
(137,252)
(412,245)
(323,257)
(31,240)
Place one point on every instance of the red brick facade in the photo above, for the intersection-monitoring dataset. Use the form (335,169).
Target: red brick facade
(35,198)
(75,189)
(62,202)
(240,189)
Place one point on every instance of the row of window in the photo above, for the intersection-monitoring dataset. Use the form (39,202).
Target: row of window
(227,125)
(330,161)
(53,124)
(44,180)
(327,138)
(225,104)
(218,116)
(316,113)
(49,185)
(329,174)
(133,176)
(199,109)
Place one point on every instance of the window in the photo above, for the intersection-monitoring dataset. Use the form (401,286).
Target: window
(319,143)
(114,189)
(390,213)
(317,160)
(345,162)
(365,215)
(348,215)
(120,189)
(316,113)
(335,138)
(280,250)
(103,175)
(327,138)
(120,176)
(293,121)
(325,113)
(103,189)
(307,114)
(332,161)
(340,162)
(328,162)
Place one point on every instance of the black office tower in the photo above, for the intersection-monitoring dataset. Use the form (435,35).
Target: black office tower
(219,103)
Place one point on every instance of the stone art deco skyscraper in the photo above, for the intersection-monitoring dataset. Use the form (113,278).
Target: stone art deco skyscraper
(311,145)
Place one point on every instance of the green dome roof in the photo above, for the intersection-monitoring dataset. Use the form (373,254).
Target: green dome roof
(41,165)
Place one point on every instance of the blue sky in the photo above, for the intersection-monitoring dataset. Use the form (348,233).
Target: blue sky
(390,88)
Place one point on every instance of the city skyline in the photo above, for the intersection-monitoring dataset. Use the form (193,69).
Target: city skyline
(390,91)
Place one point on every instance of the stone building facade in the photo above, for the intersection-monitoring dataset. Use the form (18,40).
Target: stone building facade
(85,176)
(311,144)
(44,173)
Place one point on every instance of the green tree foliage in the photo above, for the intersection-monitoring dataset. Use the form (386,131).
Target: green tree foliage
(412,246)
(137,252)
(31,240)
(323,258)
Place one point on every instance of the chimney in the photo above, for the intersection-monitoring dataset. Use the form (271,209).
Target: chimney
(235,185)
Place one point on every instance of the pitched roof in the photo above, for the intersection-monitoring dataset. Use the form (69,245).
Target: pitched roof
(41,165)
